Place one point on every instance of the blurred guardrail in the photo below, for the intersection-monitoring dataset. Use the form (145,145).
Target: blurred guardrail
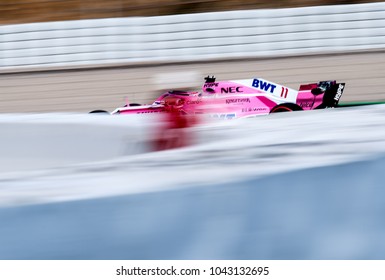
(306,185)
(193,37)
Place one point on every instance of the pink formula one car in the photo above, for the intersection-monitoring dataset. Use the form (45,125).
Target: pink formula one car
(242,98)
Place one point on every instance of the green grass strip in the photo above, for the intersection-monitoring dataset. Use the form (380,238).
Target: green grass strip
(359,103)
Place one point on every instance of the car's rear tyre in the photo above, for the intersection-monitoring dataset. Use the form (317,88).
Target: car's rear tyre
(99,112)
(286,107)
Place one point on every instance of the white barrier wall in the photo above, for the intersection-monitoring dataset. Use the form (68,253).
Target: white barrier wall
(301,185)
(49,141)
(193,37)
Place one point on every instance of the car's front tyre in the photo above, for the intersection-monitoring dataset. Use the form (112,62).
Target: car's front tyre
(99,112)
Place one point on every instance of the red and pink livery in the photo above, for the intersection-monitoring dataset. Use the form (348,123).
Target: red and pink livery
(242,98)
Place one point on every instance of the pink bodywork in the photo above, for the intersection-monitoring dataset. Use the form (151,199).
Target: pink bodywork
(233,99)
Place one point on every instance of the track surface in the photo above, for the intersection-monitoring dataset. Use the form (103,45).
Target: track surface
(86,90)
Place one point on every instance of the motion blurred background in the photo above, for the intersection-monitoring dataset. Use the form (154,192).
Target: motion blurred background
(23,11)
(97,54)
(79,186)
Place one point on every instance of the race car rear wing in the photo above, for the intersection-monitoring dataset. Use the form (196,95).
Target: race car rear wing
(332,93)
